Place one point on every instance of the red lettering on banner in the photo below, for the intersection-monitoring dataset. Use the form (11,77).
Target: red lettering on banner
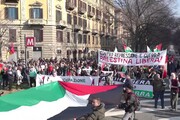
(130,61)
(157,60)
(111,59)
(143,61)
(138,61)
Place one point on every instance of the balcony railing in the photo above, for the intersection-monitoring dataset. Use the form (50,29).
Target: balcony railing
(90,14)
(62,24)
(94,31)
(105,20)
(77,27)
(107,34)
(70,6)
(35,21)
(81,10)
(98,17)
(102,33)
(86,29)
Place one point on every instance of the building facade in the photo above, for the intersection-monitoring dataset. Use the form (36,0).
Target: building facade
(62,28)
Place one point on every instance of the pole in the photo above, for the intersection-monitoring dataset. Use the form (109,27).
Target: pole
(25,49)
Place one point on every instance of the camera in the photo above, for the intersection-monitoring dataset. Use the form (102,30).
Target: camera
(122,106)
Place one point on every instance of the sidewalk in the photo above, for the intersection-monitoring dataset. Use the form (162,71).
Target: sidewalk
(145,114)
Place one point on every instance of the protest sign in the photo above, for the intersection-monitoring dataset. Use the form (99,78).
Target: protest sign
(142,88)
(86,80)
(132,59)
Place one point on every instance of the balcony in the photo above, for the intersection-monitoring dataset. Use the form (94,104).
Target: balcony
(81,10)
(108,34)
(36,22)
(114,34)
(61,24)
(101,33)
(77,28)
(105,20)
(98,17)
(90,14)
(70,6)
(94,31)
(86,30)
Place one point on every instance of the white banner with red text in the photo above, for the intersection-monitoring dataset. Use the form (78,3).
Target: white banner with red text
(132,58)
(85,80)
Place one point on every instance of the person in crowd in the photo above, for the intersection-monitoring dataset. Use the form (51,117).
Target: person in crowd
(5,77)
(50,69)
(158,89)
(171,68)
(10,77)
(98,111)
(129,105)
(174,86)
(152,74)
(128,83)
(108,79)
(19,77)
(32,76)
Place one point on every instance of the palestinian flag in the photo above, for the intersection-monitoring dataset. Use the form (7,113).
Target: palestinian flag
(45,101)
(158,47)
(127,49)
(148,49)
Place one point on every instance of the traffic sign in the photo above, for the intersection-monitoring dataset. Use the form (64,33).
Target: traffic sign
(30,41)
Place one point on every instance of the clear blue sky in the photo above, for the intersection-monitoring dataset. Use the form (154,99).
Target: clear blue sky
(177,8)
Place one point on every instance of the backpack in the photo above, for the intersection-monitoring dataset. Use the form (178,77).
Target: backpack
(137,104)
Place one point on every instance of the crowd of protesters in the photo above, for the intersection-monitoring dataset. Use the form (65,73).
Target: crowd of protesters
(19,72)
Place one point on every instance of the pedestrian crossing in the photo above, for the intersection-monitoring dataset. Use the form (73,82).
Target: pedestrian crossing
(147,106)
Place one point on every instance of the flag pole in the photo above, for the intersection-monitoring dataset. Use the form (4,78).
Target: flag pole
(25,49)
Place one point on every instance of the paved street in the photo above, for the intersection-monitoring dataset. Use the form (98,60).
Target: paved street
(147,112)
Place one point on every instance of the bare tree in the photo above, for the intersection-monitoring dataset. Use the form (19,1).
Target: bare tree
(4,27)
(147,21)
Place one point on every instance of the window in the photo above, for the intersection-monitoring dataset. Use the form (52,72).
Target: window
(89,8)
(75,40)
(80,3)
(89,39)
(84,23)
(75,3)
(84,6)
(80,21)
(58,15)
(93,40)
(11,13)
(38,34)
(97,40)
(79,38)
(12,35)
(93,10)
(69,19)
(68,37)
(59,36)
(85,39)
(75,20)
(36,13)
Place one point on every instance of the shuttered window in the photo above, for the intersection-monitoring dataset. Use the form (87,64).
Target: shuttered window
(38,34)
(12,35)
(36,13)
(11,13)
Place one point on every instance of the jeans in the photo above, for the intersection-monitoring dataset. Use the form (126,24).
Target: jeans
(129,116)
(174,100)
(157,95)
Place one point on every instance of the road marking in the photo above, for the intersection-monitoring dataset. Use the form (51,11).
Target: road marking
(172,118)
(119,112)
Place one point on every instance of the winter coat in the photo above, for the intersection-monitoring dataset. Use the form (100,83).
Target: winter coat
(97,114)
